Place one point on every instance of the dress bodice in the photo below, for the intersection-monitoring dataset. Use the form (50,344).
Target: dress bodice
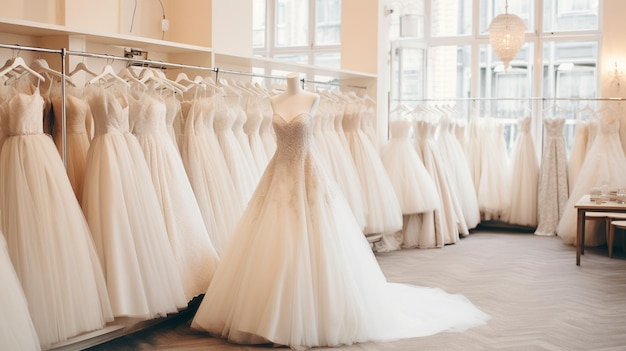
(239,120)
(554,127)
(400,129)
(293,137)
(110,112)
(172,107)
(21,114)
(149,116)
(608,124)
(224,117)
(351,121)
(524,125)
(254,120)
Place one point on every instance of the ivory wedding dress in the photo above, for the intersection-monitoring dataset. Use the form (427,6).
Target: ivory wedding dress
(524,178)
(299,271)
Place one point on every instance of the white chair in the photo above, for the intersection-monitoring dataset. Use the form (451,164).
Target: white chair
(609,218)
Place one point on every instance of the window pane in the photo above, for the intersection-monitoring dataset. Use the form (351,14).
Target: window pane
(328,59)
(570,15)
(451,17)
(408,76)
(327,22)
(491,8)
(295,58)
(258,23)
(292,23)
(449,72)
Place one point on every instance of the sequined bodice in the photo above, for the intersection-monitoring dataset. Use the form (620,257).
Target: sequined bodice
(554,127)
(21,114)
(293,138)
(110,113)
(400,129)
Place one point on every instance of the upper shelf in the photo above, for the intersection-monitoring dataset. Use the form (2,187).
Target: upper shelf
(38,29)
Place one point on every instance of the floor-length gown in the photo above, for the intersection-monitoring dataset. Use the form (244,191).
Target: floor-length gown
(48,239)
(494,193)
(413,186)
(17,331)
(173,119)
(123,212)
(77,139)
(383,213)
(524,178)
(252,128)
(449,219)
(553,190)
(459,173)
(197,259)
(236,160)
(319,283)
(578,151)
(208,173)
(605,164)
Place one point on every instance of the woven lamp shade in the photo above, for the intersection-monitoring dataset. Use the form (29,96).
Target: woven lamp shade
(507,33)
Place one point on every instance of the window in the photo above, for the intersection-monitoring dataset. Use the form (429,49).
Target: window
(302,31)
(457,63)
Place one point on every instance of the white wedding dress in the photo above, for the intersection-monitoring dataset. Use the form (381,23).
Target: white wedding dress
(300,273)
(524,178)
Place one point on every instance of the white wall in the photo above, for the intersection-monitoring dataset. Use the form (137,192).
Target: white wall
(232,27)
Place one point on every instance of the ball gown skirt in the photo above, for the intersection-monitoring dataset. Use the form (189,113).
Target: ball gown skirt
(123,212)
(524,178)
(48,239)
(605,163)
(17,331)
(208,173)
(188,236)
(299,271)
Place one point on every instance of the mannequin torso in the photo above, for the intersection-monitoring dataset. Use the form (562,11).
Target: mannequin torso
(294,101)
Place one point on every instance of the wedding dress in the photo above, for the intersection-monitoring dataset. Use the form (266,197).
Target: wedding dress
(413,186)
(17,331)
(524,178)
(123,212)
(300,273)
(382,209)
(252,128)
(208,172)
(604,164)
(48,239)
(77,139)
(553,190)
(494,187)
(193,250)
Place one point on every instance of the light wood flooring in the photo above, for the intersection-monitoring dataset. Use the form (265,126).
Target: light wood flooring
(537,297)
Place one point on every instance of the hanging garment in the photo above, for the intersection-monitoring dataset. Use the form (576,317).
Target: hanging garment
(383,213)
(173,119)
(605,164)
(123,212)
(252,129)
(267,132)
(413,186)
(48,239)
(237,162)
(553,181)
(494,192)
(208,173)
(300,273)
(17,331)
(524,178)
(458,169)
(244,142)
(449,220)
(197,259)
(76,140)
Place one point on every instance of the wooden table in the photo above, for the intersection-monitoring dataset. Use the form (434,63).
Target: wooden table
(583,206)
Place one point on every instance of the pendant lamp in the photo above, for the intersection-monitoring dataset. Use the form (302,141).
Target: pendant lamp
(507,33)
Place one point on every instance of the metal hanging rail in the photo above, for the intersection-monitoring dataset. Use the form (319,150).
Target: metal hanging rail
(509,99)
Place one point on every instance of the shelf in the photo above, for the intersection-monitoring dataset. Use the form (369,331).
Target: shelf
(248,63)
(37,29)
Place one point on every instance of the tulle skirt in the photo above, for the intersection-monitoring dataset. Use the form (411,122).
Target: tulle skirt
(524,181)
(49,241)
(122,209)
(16,327)
(193,250)
(300,273)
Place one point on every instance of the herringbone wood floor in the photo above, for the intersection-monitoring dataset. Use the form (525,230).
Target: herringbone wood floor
(537,297)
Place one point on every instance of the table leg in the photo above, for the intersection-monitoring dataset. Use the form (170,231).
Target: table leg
(580,228)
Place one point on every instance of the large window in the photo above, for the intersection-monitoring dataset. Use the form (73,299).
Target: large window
(301,31)
(451,58)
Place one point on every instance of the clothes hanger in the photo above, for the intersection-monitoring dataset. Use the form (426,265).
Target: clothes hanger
(82,67)
(131,78)
(18,64)
(107,74)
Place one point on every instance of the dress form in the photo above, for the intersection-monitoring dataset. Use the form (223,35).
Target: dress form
(294,101)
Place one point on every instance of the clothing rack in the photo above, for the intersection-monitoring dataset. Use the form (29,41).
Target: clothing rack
(509,99)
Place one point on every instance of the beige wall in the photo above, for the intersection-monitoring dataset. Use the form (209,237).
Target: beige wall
(359,35)
(613,49)
(191,22)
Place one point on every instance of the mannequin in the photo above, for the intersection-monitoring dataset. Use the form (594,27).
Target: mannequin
(294,101)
